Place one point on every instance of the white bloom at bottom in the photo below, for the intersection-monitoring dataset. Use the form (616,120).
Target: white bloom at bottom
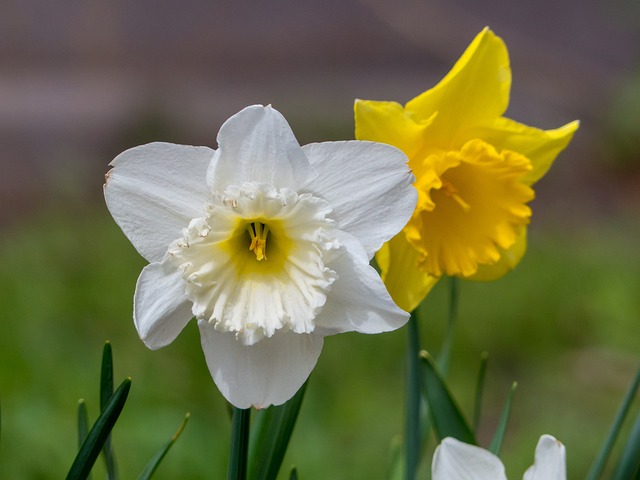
(266,243)
(456,460)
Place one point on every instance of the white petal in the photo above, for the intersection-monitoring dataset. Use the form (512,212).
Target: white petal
(153,191)
(358,300)
(369,186)
(550,461)
(267,373)
(454,459)
(257,145)
(160,308)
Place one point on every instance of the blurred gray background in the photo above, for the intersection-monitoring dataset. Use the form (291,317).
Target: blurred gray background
(82,81)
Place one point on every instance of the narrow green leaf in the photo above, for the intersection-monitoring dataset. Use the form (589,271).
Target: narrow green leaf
(413,389)
(106,391)
(83,421)
(157,458)
(106,376)
(444,358)
(239,444)
(294,474)
(446,418)
(484,358)
(99,432)
(599,463)
(629,464)
(83,424)
(498,437)
(271,432)
(396,459)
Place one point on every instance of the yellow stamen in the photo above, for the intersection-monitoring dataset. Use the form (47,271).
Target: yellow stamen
(450,191)
(258,232)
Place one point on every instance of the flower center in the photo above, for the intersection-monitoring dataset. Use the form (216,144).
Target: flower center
(258,232)
(473,205)
(452,192)
(251,291)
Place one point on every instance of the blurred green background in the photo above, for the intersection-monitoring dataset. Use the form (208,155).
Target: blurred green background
(81,83)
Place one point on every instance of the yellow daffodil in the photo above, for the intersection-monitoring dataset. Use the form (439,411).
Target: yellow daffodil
(266,243)
(474,171)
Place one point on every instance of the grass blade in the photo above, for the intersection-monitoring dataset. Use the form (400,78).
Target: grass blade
(629,464)
(294,474)
(484,358)
(239,444)
(498,437)
(271,433)
(413,398)
(83,424)
(157,458)
(599,463)
(446,418)
(106,391)
(99,432)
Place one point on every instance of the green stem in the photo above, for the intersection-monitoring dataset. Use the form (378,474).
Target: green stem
(598,465)
(239,444)
(413,388)
(444,358)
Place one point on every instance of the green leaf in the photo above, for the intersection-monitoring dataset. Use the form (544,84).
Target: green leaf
(484,358)
(444,358)
(106,390)
(239,444)
(106,376)
(294,474)
(446,418)
(271,432)
(413,440)
(83,421)
(157,458)
(396,461)
(83,424)
(599,463)
(99,432)
(629,464)
(498,437)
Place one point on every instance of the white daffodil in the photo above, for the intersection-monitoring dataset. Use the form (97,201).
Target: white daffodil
(455,460)
(265,242)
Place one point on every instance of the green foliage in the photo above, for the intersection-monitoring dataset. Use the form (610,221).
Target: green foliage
(560,324)
(271,432)
(95,440)
(446,417)
(240,421)
(153,464)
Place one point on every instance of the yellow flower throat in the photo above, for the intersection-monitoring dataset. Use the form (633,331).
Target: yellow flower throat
(258,232)
(450,191)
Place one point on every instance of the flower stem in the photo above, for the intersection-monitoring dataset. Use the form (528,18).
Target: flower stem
(239,444)
(444,358)
(413,388)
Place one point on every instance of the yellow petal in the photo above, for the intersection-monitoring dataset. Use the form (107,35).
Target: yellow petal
(540,146)
(476,89)
(387,122)
(477,210)
(398,263)
(509,259)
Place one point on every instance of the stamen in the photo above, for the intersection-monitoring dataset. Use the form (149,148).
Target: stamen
(450,191)
(258,232)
